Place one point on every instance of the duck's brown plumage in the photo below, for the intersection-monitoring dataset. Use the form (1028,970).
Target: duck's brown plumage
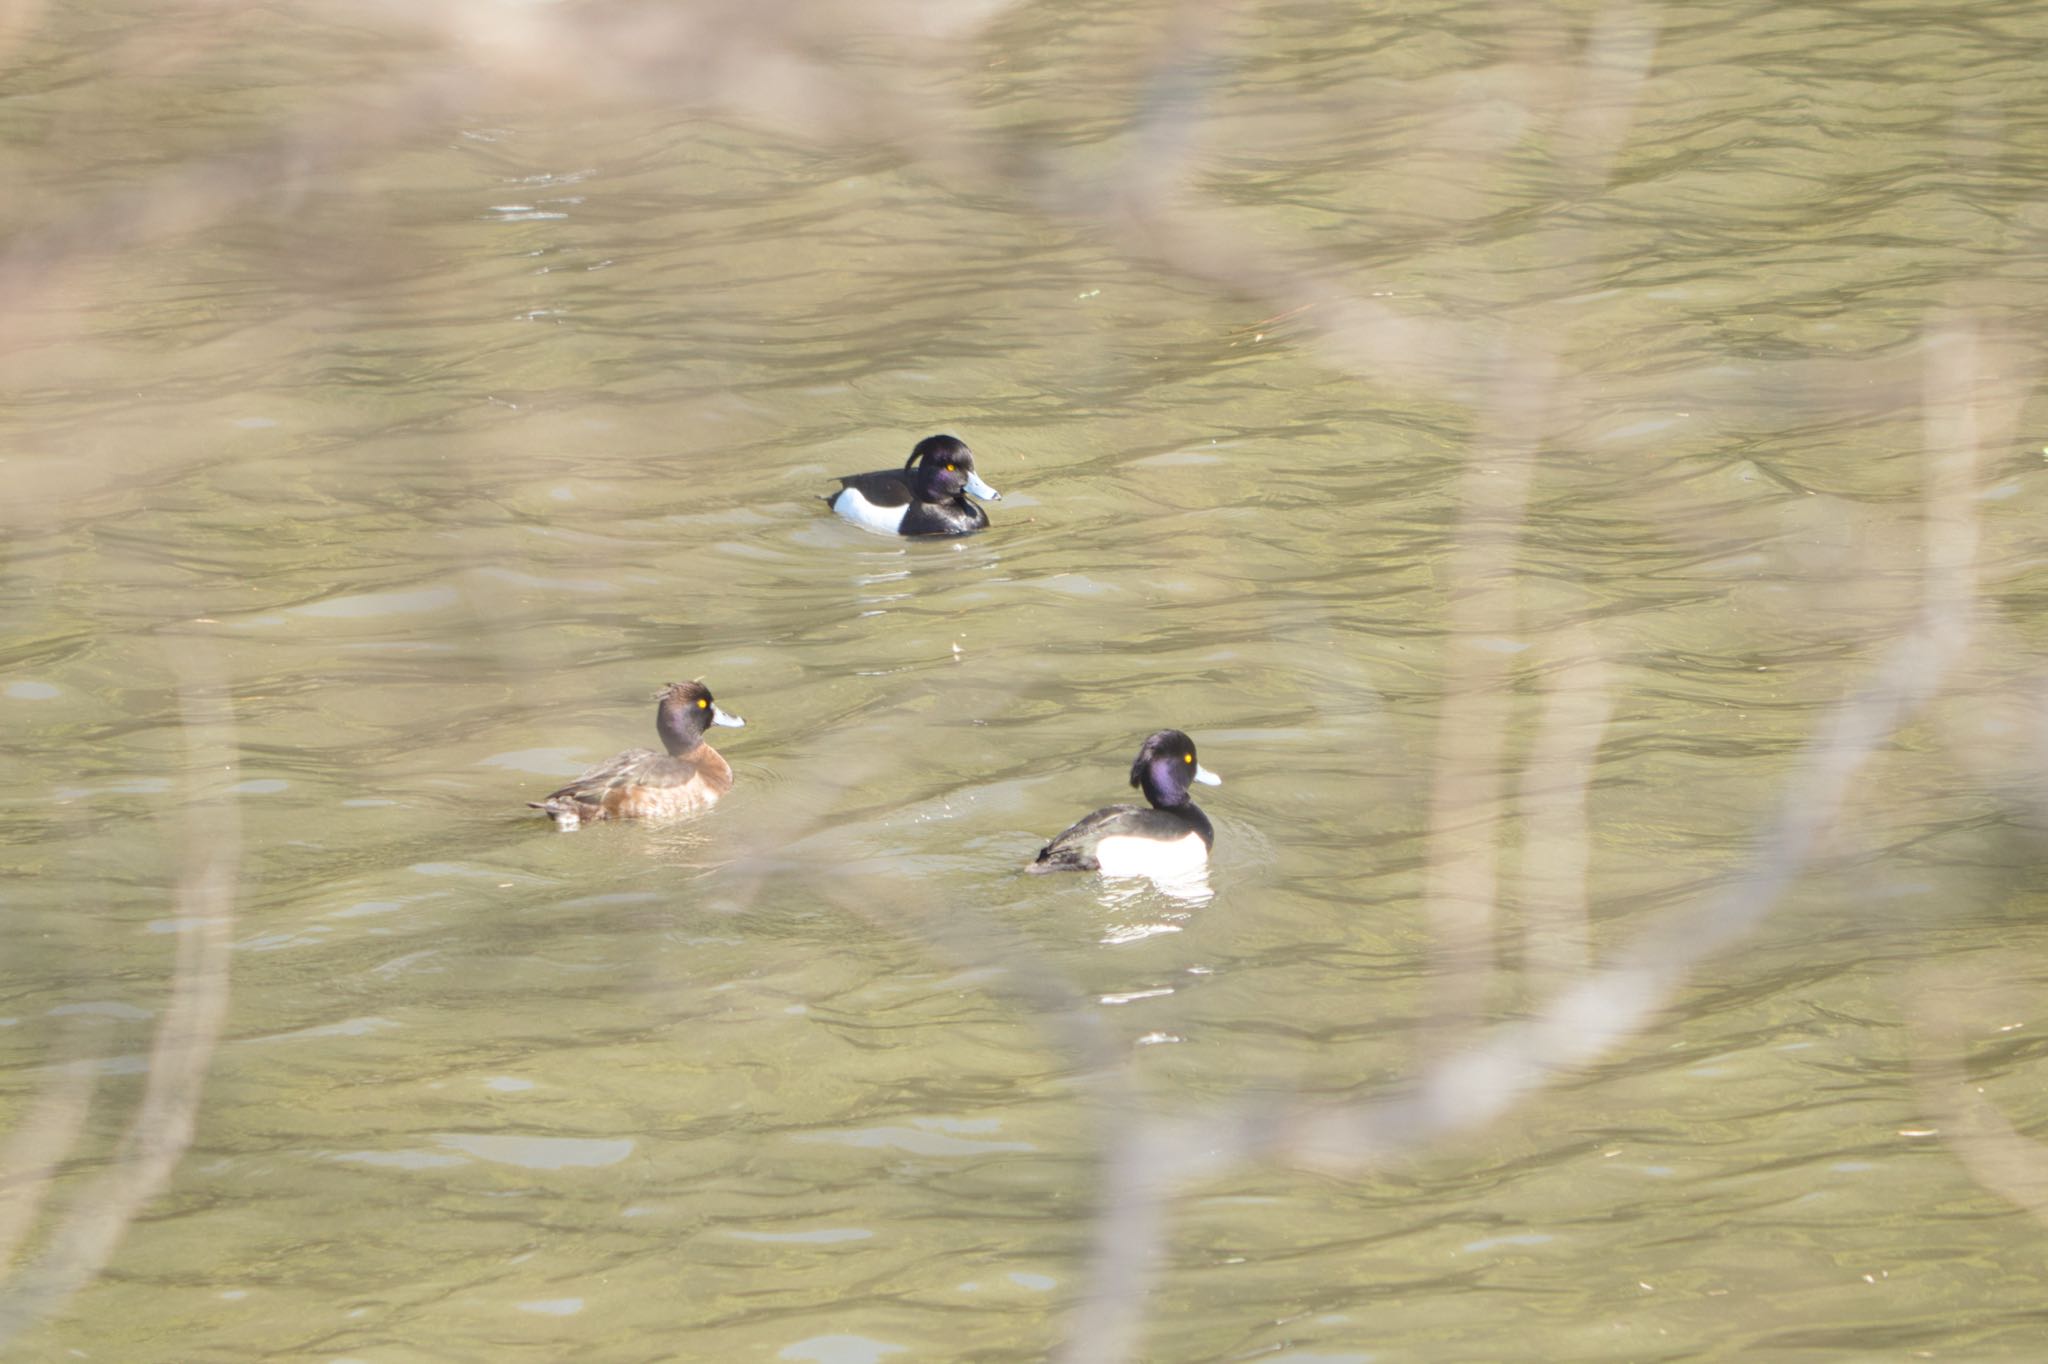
(643,784)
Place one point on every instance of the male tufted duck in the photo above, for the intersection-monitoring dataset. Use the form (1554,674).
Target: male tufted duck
(927,496)
(1170,839)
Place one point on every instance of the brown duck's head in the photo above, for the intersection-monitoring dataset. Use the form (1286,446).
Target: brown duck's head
(686,711)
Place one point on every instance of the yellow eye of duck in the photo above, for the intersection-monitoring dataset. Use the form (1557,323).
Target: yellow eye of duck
(952,469)
(1187,757)
(702,703)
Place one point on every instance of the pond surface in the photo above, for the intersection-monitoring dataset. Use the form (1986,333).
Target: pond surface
(389,412)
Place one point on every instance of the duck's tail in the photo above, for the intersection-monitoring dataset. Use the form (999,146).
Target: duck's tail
(562,813)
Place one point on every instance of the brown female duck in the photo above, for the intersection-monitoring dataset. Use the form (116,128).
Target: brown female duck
(643,784)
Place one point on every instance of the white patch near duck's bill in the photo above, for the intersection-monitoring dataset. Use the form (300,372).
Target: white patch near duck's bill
(724,717)
(865,514)
(1127,855)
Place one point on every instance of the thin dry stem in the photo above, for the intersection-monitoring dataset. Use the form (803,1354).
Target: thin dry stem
(1587,1021)
(1984,1139)
(1556,844)
(34,1150)
(185,1037)
(1466,804)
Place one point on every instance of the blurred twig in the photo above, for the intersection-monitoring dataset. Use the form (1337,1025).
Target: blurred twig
(1470,774)
(776,64)
(1997,1155)
(1556,850)
(186,1034)
(45,1136)
(1581,1023)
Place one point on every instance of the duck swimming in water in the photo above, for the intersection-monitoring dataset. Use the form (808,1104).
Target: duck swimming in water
(1170,839)
(927,496)
(643,784)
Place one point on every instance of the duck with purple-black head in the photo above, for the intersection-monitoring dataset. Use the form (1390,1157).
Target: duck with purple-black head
(1170,839)
(927,496)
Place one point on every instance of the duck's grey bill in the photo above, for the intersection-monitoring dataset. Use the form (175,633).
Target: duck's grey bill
(981,489)
(719,717)
(1206,777)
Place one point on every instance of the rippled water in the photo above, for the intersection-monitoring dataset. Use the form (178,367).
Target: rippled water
(441,454)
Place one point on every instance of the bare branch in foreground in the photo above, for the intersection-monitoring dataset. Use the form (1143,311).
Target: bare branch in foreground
(1984,1139)
(1466,798)
(34,1150)
(1556,845)
(1580,1024)
(185,1037)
